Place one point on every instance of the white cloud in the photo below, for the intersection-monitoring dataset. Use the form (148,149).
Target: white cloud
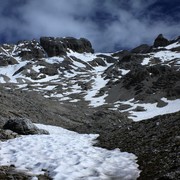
(129,23)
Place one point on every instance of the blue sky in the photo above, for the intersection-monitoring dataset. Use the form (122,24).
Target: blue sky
(110,25)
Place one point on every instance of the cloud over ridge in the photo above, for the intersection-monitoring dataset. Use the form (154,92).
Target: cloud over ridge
(109,25)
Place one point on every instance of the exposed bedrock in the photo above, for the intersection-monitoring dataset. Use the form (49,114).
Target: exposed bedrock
(58,46)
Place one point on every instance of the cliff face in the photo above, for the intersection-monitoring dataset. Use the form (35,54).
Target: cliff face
(61,81)
(59,46)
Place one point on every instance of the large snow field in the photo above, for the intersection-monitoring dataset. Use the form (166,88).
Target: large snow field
(67,155)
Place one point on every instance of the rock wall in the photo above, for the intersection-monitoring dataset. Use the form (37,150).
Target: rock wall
(58,46)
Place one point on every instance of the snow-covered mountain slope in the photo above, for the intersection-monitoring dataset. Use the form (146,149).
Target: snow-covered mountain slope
(141,83)
(67,155)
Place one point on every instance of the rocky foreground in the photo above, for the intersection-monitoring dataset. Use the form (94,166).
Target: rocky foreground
(156,142)
(11,173)
(62,82)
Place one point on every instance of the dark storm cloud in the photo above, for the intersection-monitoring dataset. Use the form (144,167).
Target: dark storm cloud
(108,24)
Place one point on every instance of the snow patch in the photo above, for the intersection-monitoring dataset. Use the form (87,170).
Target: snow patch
(68,155)
(145,61)
(10,70)
(53,60)
(166,56)
(124,71)
(99,83)
(83,56)
(174,45)
(151,110)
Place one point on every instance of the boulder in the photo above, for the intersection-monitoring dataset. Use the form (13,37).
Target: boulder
(50,71)
(98,62)
(84,85)
(7,60)
(7,134)
(139,109)
(59,46)
(160,41)
(23,126)
(3,62)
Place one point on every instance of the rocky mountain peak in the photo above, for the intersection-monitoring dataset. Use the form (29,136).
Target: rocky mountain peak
(160,41)
(46,47)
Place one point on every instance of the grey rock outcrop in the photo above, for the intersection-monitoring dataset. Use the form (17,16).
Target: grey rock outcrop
(30,49)
(98,62)
(58,46)
(6,60)
(108,59)
(144,48)
(160,41)
(7,134)
(11,173)
(23,126)
(121,54)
